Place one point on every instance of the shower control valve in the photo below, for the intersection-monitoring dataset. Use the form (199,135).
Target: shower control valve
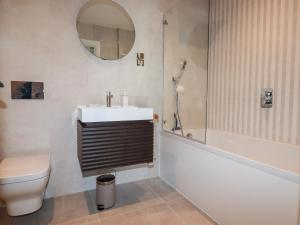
(267,98)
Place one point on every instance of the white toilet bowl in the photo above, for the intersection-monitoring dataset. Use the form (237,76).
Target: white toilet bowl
(23,182)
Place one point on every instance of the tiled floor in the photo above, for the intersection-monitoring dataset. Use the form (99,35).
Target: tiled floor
(148,202)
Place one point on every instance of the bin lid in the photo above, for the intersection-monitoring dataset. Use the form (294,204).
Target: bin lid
(106,179)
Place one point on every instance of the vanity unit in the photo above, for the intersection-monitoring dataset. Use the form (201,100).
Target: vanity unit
(111,137)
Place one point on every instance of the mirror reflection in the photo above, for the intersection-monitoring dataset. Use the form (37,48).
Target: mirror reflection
(105,29)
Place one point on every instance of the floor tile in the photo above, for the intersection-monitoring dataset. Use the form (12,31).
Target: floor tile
(130,193)
(4,218)
(163,189)
(87,220)
(157,215)
(189,213)
(50,213)
(91,203)
(76,206)
(149,202)
(58,210)
(131,197)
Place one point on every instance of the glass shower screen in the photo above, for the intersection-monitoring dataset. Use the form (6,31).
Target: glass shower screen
(186,32)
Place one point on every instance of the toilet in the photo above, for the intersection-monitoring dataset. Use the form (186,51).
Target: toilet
(23,182)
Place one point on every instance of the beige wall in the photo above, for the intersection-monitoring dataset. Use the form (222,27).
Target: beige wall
(39,42)
(255,44)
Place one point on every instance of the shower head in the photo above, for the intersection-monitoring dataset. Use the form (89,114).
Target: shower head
(180,89)
(178,78)
(184,65)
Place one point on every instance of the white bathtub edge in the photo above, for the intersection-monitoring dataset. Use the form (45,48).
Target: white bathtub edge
(285,174)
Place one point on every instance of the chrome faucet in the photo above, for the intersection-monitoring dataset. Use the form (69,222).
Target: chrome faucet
(109,96)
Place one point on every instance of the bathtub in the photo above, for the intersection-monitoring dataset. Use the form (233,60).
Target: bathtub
(235,179)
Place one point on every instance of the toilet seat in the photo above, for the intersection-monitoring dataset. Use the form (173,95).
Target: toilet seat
(25,168)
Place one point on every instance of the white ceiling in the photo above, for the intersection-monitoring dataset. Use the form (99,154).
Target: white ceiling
(105,13)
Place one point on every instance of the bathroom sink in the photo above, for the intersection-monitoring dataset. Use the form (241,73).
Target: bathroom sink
(98,113)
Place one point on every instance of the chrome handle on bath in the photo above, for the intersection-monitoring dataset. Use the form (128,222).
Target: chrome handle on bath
(109,96)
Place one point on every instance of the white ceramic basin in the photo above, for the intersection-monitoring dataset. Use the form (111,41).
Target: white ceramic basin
(98,113)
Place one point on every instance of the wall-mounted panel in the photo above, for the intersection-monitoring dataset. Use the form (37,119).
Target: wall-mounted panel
(27,90)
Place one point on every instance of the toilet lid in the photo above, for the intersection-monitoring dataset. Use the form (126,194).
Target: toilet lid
(25,168)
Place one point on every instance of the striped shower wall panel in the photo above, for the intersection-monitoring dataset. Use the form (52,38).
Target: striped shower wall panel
(255,44)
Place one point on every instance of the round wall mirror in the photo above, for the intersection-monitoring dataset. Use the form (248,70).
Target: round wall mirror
(105,29)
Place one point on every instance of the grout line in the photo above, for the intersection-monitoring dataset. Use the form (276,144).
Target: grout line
(176,199)
(152,190)
(164,200)
(208,221)
(176,214)
(63,208)
(211,222)
(129,212)
(99,219)
(191,202)
(158,195)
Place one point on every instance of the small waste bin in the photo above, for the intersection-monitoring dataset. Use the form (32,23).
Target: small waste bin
(105,191)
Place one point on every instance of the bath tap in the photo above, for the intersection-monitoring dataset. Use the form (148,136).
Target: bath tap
(177,123)
(109,96)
